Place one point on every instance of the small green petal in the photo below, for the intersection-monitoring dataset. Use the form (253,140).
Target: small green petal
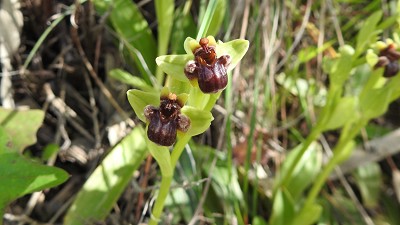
(236,49)
(140,99)
(182,98)
(211,41)
(174,65)
(190,45)
(164,91)
(380,45)
(200,120)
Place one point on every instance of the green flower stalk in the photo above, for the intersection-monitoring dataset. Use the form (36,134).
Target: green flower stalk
(182,109)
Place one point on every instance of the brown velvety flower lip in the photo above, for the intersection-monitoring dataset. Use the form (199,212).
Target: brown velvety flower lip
(166,120)
(209,70)
(389,58)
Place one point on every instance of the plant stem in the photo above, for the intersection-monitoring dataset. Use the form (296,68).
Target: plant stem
(178,149)
(196,99)
(346,137)
(162,195)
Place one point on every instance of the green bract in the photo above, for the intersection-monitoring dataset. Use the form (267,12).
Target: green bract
(174,65)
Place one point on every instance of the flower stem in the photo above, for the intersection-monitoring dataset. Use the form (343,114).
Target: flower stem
(346,137)
(162,195)
(166,179)
(178,149)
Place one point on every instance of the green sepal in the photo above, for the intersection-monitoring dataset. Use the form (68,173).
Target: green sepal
(164,92)
(181,98)
(140,99)
(200,120)
(372,58)
(191,44)
(236,49)
(174,65)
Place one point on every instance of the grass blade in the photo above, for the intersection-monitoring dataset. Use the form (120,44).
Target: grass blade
(165,15)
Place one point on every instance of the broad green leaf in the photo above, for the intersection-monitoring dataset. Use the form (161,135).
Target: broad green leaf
(131,26)
(128,78)
(306,169)
(344,111)
(174,65)
(20,176)
(368,32)
(375,102)
(283,208)
(21,126)
(103,188)
(369,180)
(200,120)
(140,99)
(308,215)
